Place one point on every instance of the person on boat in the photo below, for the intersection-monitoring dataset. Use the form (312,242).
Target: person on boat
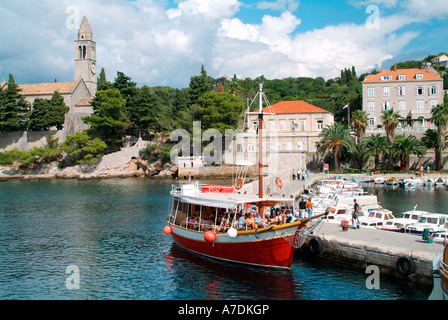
(302,208)
(309,208)
(192,222)
(241,222)
(258,221)
(355,221)
(250,221)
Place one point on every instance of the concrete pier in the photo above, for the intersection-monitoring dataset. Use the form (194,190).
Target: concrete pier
(363,247)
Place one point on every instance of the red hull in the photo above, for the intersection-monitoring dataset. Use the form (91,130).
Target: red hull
(275,253)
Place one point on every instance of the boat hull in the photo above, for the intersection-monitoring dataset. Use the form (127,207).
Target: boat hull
(266,249)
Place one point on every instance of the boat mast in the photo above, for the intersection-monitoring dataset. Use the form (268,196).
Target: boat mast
(260,146)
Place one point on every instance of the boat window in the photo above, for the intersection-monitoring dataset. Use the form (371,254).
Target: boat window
(414,217)
(422,220)
(432,220)
(378,215)
(372,214)
(406,216)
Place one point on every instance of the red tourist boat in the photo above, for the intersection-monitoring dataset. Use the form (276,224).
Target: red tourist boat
(208,220)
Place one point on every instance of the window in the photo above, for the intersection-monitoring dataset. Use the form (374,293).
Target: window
(386,78)
(294,125)
(386,91)
(433,103)
(371,122)
(419,76)
(401,91)
(272,124)
(282,125)
(320,124)
(420,90)
(250,147)
(433,90)
(419,106)
(302,125)
(371,92)
(371,106)
(288,146)
(401,77)
(300,145)
(385,105)
(402,105)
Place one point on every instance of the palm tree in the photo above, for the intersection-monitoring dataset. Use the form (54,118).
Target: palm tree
(390,120)
(431,141)
(333,139)
(360,120)
(440,119)
(375,145)
(404,146)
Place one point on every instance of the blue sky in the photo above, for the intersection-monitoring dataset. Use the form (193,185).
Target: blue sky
(166,42)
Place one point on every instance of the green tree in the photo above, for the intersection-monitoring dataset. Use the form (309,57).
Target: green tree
(125,85)
(199,85)
(390,120)
(218,110)
(333,139)
(360,120)
(440,119)
(81,148)
(103,84)
(14,110)
(48,113)
(108,121)
(143,110)
(404,146)
(375,146)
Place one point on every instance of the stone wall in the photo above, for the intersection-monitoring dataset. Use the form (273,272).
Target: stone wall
(27,140)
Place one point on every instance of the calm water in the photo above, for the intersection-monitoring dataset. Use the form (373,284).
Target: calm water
(112,231)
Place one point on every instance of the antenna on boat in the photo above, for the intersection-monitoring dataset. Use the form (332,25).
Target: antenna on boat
(260,146)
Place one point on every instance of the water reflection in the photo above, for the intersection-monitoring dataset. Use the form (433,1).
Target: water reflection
(222,280)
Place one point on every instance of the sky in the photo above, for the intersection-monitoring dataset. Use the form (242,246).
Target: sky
(165,42)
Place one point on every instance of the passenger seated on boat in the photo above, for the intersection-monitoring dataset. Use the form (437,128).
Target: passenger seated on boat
(250,221)
(258,221)
(241,222)
(209,223)
(192,221)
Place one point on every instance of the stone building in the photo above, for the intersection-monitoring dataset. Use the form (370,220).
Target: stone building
(410,92)
(77,94)
(291,130)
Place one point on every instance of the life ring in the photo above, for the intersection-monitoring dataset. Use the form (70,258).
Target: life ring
(405,265)
(315,245)
(239,183)
(278,182)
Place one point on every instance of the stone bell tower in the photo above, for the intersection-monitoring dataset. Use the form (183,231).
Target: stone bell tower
(85,57)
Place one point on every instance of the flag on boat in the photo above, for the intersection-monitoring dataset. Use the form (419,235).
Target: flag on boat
(345,107)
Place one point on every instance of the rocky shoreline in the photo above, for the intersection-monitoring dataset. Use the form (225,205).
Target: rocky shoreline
(136,168)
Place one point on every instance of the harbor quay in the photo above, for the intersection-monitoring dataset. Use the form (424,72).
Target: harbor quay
(392,252)
(364,247)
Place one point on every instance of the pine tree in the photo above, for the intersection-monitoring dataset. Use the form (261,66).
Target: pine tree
(14,110)
(48,113)
(103,84)
(200,85)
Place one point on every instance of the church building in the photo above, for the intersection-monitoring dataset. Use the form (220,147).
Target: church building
(77,94)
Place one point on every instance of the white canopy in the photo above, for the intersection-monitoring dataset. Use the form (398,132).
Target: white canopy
(224,200)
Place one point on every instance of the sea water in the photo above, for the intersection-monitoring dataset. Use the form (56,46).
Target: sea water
(103,239)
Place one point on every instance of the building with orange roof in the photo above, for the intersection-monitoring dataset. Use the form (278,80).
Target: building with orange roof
(410,92)
(441,60)
(292,129)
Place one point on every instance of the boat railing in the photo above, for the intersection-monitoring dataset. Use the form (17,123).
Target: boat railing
(443,266)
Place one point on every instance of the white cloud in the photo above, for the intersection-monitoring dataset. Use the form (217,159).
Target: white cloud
(280,5)
(155,45)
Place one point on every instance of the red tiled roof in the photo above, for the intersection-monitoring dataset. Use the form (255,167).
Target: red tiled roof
(409,73)
(293,107)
